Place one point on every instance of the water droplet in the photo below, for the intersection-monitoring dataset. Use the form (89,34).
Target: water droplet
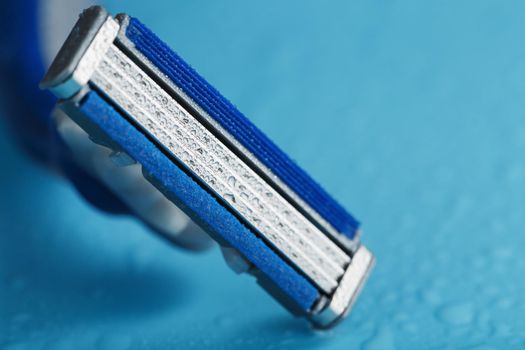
(504,303)
(224,321)
(117,341)
(457,314)
(503,253)
(22,317)
(15,346)
(139,98)
(18,283)
(409,327)
(229,197)
(430,297)
(482,347)
(389,297)
(381,340)
(61,344)
(503,331)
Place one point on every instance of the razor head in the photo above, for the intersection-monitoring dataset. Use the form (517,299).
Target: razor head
(131,93)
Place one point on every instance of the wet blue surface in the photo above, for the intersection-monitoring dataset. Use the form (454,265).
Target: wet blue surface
(411,113)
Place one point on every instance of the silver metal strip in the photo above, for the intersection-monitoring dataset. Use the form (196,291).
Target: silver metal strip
(89,61)
(158,113)
(349,288)
(350,244)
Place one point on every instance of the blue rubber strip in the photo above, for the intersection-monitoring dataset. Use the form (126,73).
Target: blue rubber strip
(230,118)
(197,202)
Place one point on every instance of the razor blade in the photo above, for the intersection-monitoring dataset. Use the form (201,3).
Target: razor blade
(132,94)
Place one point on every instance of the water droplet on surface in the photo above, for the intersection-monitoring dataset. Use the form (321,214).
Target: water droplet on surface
(504,303)
(409,327)
(18,283)
(383,339)
(15,346)
(430,297)
(117,341)
(503,330)
(459,314)
(224,321)
(22,317)
(61,344)
(482,347)
(229,197)
(389,297)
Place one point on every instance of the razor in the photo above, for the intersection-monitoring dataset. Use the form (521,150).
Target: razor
(134,97)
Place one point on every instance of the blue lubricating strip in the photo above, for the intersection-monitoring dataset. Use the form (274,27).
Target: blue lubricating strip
(229,117)
(199,204)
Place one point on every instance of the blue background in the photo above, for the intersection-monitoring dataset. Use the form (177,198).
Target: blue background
(410,112)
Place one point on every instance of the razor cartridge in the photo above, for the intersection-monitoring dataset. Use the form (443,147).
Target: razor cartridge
(147,108)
